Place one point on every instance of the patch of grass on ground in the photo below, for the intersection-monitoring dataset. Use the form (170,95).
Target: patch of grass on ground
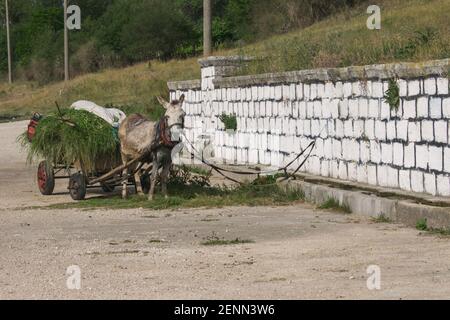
(222,242)
(422,225)
(381,219)
(196,196)
(333,204)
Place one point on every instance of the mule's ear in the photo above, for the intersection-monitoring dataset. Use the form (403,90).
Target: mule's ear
(181,99)
(163,102)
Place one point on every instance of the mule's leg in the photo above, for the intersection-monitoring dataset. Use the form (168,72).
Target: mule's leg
(124,174)
(137,179)
(153,178)
(165,177)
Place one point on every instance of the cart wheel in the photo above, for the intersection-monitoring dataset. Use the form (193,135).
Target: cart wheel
(77,186)
(107,187)
(145,183)
(46,178)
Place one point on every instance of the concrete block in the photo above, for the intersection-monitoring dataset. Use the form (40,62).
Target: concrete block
(413,88)
(313,91)
(320,90)
(343,170)
(358,128)
(307,127)
(372,175)
(403,86)
(382,175)
(446,108)
(375,152)
(347,89)
(315,128)
(310,109)
(443,185)
(430,86)
(391,133)
(278,93)
(325,168)
(397,150)
(414,134)
(442,86)
(348,128)
(338,90)
(374,108)
(422,107)
(417,181)
(435,108)
(318,109)
(362,174)
(363,111)
(377,89)
(343,109)
(352,173)
(410,155)
(299,91)
(402,130)
(427,130)
(334,108)
(302,110)
(380,130)
(353,108)
(369,129)
(447,159)
(337,149)
(392,177)
(364,151)
(430,183)
(409,109)
(339,128)
(386,153)
(385,111)
(435,158)
(422,156)
(326,111)
(405,180)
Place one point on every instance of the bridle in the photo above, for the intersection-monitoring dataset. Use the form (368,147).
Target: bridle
(163,135)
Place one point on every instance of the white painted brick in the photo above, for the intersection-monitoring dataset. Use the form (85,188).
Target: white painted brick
(338,90)
(320,90)
(348,128)
(343,109)
(417,181)
(362,175)
(358,128)
(364,151)
(369,129)
(317,109)
(313,91)
(402,130)
(435,108)
(292,92)
(377,89)
(390,130)
(334,167)
(353,107)
(414,131)
(334,108)
(326,112)
(380,130)
(430,183)
(375,152)
(352,171)
(385,110)
(372,174)
(413,88)
(356,89)
(337,149)
(382,175)
(347,89)
(310,109)
(435,158)
(327,148)
(403,86)
(409,109)
(392,177)
(315,128)
(307,127)
(422,156)
(427,130)
(405,180)
(278,93)
(343,170)
(447,159)
(325,168)
(302,110)
(430,86)
(306,92)
(442,86)
(443,185)
(350,149)
(299,91)
(363,108)
(446,107)
(422,107)
(397,150)
(410,156)
(374,108)
(339,128)
(386,153)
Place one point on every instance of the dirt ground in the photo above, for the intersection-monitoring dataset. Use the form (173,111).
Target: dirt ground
(297,252)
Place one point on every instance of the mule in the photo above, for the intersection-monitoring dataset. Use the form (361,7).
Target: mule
(140,137)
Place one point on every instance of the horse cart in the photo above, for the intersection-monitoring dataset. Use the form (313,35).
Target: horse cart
(106,174)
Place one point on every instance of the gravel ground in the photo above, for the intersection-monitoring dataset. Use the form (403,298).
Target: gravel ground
(297,252)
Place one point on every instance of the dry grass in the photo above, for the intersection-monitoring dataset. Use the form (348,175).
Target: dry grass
(412,30)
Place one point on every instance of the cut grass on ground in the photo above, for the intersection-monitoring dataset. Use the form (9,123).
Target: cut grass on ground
(193,196)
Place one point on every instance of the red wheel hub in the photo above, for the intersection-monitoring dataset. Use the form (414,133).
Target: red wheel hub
(42,176)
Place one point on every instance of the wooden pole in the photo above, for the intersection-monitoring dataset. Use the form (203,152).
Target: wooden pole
(66,45)
(207,34)
(8,40)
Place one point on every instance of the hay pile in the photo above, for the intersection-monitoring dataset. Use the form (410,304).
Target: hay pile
(74,136)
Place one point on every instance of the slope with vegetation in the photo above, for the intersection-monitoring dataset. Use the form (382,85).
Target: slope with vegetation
(412,30)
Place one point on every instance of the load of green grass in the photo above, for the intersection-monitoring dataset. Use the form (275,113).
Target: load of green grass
(74,137)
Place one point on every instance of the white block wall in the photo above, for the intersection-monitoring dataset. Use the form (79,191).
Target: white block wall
(358,137)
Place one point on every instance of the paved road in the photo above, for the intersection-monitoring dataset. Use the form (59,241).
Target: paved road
(297,252)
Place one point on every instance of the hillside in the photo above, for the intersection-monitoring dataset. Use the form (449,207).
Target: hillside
(412,30)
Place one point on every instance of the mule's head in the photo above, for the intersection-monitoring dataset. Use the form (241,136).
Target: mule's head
(175,116)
